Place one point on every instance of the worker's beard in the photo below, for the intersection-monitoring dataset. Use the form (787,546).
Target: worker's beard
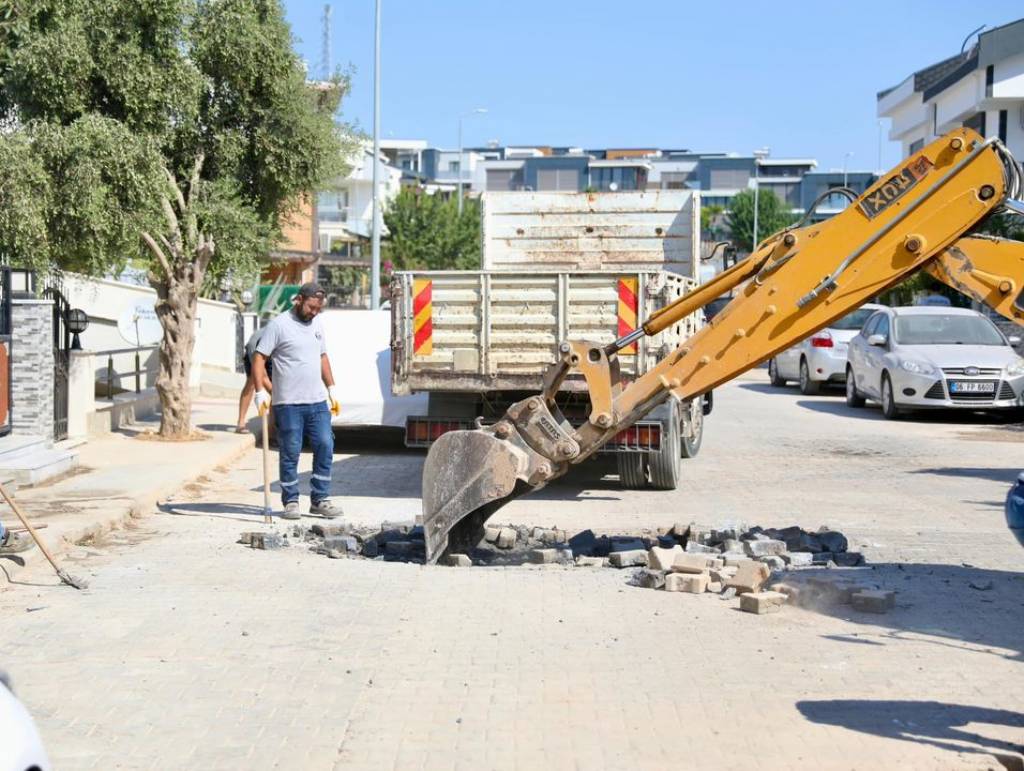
(303,314)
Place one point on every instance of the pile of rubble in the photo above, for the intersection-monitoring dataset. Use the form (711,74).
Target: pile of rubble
(764,567)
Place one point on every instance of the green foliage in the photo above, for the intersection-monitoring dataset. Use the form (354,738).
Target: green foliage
(426,232)
(1005,226)
(190,119)
(710,221)
(772,215)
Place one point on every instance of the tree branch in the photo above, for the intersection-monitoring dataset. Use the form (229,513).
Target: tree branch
(172,218)
(159,254)
(177,191)
(193,190)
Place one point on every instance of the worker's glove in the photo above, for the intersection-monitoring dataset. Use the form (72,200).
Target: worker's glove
(262,399)
(332,400)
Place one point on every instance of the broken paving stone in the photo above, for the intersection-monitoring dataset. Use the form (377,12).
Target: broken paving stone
(264,540)
(799,559)
(458,560)
(343,543)
(628,559)
(544,556)
(584,542)
(727,593)
(626,543)
(732,545)
(832,541)
(692,583)
(762,602)
(506,538)
(873,601)
(690,563)
(735,559)
(715,587)
(793,591)
(661,558)
(693,547)
(773,562)
(491,533)
(591,562)
(324,531)
(765,548)
(723,574)
(848,559)
(646,578)
(750,577)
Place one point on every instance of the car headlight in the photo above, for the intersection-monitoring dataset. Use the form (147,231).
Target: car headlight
(1016,368)
(918,367)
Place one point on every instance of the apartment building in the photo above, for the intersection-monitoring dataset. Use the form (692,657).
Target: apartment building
(982,87)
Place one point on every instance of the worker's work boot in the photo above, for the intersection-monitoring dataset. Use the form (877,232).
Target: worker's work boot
(12,543)
(325,509)
(291,510)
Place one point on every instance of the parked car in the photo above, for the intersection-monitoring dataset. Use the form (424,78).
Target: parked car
(820,358)
(21,749)
(929,356)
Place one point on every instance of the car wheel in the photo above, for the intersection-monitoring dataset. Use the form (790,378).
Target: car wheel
(632,469)
(808,387)
(690,444)
(889,408)
(853,396)
(773,374)
(666,464)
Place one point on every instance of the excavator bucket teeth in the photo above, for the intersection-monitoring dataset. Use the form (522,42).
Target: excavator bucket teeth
(467,476)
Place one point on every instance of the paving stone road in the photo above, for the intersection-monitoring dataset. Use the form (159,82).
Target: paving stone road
(191,651)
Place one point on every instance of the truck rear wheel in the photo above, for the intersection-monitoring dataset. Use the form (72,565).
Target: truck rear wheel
(666,464)
(632,469)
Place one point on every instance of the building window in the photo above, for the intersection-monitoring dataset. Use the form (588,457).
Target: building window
(453,166)
(332,206)
(976,122)
(675,180)
(729,179)
(615,178)
(1002,126)
(788,193)
(504,179)
(990,79)
(558,179)
(916,146)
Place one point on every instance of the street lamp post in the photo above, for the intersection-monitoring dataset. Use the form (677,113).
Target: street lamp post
(846,157)
(375,236)
(759,155)
(477,111)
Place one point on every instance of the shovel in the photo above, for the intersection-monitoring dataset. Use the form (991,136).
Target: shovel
(266,470)
(63,575)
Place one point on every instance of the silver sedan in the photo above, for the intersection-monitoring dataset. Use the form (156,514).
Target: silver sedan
(925,357)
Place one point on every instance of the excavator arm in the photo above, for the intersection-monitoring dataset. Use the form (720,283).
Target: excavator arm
(794,283)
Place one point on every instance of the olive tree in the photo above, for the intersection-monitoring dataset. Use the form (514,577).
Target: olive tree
(175,131)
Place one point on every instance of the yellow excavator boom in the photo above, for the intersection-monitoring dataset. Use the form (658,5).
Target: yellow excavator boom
(796,282)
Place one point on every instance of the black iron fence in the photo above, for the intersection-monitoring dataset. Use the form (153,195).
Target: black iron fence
(137,372)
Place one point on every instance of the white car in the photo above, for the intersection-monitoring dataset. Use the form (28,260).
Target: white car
(821,358)
(930,356)
(20,746)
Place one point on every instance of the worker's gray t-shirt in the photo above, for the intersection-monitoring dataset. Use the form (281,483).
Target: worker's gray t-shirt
(296,347)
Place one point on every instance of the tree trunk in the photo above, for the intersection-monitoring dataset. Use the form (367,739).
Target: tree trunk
(176,308)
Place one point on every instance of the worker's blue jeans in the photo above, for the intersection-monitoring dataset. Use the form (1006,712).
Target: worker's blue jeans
(294,423)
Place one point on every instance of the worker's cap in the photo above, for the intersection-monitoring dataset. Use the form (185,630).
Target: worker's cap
(311,289)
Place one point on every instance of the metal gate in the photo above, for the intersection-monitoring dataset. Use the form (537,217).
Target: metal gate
(61,362)
(5,350)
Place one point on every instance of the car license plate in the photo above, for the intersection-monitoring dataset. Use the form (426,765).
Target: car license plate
(971,387)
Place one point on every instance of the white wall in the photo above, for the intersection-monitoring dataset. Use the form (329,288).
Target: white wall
(104,301)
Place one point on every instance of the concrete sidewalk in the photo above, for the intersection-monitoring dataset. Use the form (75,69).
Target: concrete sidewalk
(123,476)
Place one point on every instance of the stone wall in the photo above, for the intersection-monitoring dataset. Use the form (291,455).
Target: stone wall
(32,380)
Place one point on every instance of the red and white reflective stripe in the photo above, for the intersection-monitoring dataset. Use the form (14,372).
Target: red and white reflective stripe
(627,310)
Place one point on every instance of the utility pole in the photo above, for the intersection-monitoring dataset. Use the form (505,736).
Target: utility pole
(325,43)
(375,238)
(477,111)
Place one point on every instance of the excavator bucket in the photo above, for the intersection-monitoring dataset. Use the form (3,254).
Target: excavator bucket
(467,476)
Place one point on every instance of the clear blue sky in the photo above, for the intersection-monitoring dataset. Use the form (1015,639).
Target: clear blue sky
(799,77)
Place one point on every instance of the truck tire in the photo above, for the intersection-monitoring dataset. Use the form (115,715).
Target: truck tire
(692,431)
(632,469)
(666,465)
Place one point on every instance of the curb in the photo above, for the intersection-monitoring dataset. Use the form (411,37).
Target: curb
(130,508)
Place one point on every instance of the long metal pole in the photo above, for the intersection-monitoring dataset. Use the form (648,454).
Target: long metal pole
(375,260)
(757,188)
(460,166)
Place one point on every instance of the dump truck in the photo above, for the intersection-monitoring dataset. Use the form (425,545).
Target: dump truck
(920,216)
(556,267)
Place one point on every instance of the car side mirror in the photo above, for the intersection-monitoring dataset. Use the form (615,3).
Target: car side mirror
(1014,340)
(879,340)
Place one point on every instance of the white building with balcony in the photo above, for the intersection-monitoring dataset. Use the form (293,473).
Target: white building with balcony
(982,88)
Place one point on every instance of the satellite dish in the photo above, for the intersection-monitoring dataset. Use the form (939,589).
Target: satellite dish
(138,323)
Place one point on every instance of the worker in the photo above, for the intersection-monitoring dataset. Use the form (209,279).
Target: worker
(304,397)
(245,398)
(12,543)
